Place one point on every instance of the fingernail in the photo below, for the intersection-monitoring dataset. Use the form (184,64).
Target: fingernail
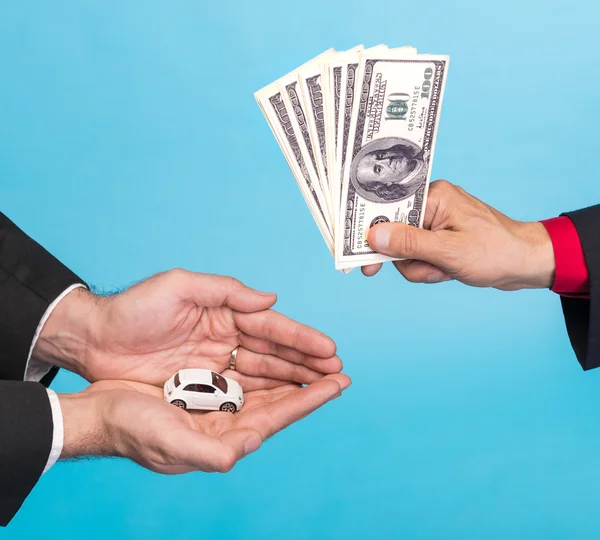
(345,384)
(252,444)
(262,293)
(437,278)
(381,238)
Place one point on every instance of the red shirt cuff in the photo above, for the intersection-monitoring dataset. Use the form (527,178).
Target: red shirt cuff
(572,277)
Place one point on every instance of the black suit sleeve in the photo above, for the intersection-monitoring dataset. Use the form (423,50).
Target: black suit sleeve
(26,431)
(582,315)
(30,280)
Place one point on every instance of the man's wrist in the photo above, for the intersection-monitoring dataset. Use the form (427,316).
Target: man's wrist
(66,338)
(85,432)
(539,266)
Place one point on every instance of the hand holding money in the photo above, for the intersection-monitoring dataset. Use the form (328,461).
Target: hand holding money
(358,129)
(467,240)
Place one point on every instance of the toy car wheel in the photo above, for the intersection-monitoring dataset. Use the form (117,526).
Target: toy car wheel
(179,403)
(228,407)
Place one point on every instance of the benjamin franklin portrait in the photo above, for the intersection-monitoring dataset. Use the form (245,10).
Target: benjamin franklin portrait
(388,170)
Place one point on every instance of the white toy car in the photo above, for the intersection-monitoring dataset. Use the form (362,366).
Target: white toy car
(204,389)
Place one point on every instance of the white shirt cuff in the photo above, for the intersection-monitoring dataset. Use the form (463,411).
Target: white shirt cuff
(36,369)
(59,430)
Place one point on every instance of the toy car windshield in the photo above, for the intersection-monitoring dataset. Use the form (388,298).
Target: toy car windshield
(219,382)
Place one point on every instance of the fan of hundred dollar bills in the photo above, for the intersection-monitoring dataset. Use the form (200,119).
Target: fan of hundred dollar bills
(358,129)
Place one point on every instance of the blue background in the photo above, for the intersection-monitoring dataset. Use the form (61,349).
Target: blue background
(130,143)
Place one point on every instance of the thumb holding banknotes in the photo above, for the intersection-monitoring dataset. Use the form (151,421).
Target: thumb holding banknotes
(465,239)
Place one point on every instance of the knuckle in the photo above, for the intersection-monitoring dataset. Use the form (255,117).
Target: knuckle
(268,325)
(261,367)
(460,190)
(176,274)
(443,185)
(405,242)
(225,462)
(232,283)
(451,251)
(296,336)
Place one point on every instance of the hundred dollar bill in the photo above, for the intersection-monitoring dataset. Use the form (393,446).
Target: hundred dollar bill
(329,122)
(348,81)
(279,116)
(332,79)
(312,87)
(347,100)
(389,149)
(289,87)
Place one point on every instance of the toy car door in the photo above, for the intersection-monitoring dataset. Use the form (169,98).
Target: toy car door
(191,396)
(208,396)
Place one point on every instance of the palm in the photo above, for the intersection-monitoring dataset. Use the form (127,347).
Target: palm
(169,440)
(158,327)
(180,337)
